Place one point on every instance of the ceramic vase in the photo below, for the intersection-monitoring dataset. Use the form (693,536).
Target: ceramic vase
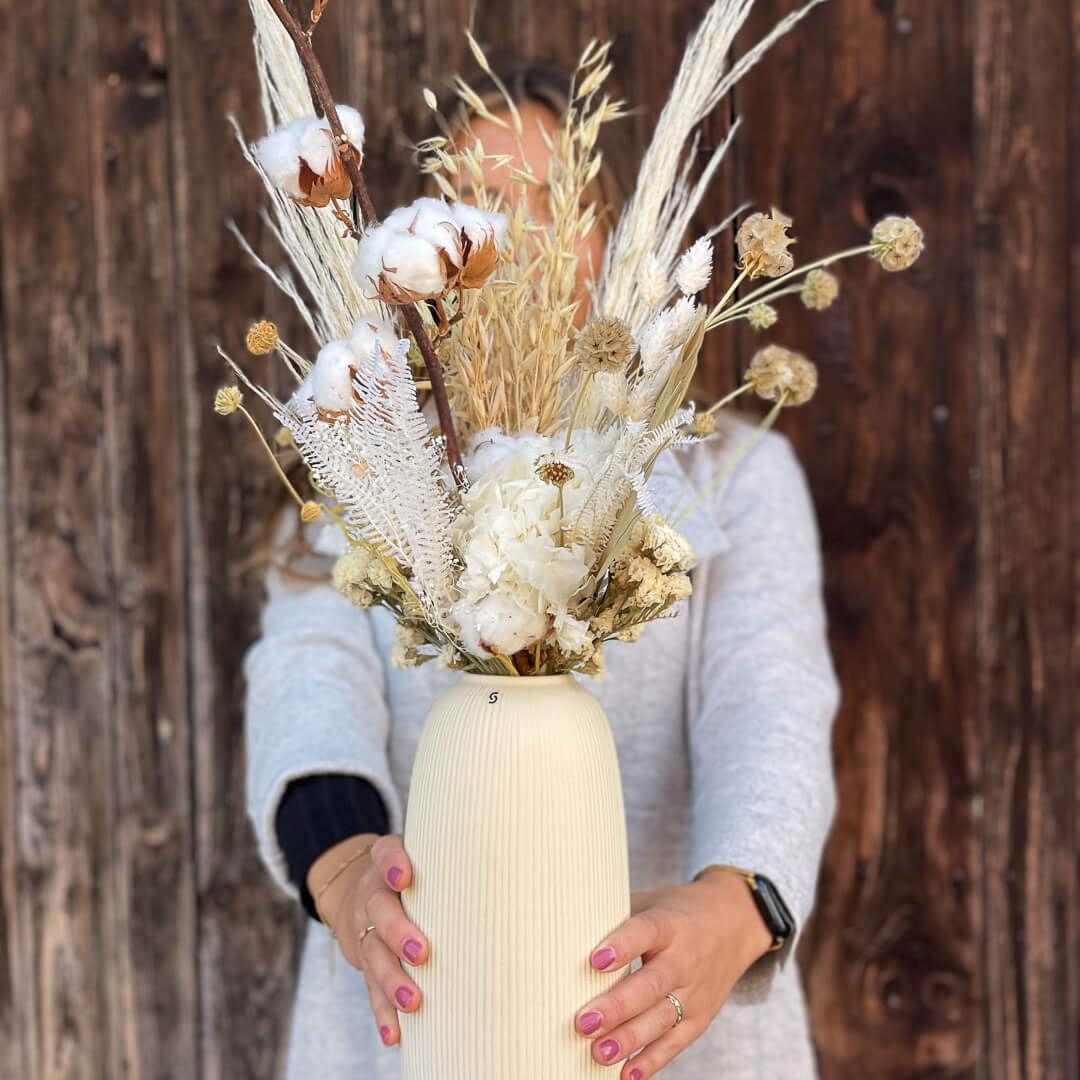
(516,829)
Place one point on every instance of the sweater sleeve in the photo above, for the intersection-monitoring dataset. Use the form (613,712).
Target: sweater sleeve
(317,812)
(315,705)
(760,732)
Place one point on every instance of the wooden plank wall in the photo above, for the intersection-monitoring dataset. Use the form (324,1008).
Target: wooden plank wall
(139,936)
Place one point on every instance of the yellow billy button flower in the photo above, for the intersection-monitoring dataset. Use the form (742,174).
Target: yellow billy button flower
(310,511)
(262,338)
(227,400)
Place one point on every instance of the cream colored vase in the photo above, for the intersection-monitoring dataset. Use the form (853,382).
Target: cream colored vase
(517,834)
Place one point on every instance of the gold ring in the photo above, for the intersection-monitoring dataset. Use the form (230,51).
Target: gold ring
(364,933)
(678,1009)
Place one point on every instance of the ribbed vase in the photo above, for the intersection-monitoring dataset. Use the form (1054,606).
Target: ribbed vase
(517,834)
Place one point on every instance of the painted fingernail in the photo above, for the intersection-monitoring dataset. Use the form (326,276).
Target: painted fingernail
(403,996)
(589,1022)
(603,957)
(636,1074)
(394,875)
(609,1048)
(384,1031)
(412,949)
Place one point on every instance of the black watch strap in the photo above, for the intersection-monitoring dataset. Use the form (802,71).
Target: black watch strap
(774,912)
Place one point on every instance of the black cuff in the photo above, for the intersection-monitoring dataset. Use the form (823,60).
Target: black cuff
(317,812)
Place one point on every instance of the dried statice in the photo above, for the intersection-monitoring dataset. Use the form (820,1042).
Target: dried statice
(819,290)
(350,576)
(604,345)
(897,242)
(778,374)
(763,245)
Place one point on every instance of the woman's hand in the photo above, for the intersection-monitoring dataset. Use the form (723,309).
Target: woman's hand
(366,894)
(695,942)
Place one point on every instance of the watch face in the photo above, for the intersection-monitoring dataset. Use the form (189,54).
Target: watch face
(773,910)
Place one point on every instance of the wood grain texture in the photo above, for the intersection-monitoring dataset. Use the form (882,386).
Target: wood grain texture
(139,934)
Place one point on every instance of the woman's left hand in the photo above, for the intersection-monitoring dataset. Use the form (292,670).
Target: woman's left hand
(695,942)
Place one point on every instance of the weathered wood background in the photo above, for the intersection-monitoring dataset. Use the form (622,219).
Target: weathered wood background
(140,936)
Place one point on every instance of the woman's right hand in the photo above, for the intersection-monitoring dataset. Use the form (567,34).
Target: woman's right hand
(366,894)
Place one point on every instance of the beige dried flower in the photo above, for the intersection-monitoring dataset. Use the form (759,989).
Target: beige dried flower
(310,511)
(763,245)
(606,344)
(778,373)
(262,338)
(595,665)
(632,633)
(227,400)
(819,290)
(704,424)
(553,470)
(350,577)
(663,543)
(762,316)
(897,242)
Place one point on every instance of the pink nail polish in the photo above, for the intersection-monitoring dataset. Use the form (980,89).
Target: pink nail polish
(412,949)
(609,1049)
(403,995)
(635,1074)
(603,957)
(394,875)
(589,1022)
(384,1031)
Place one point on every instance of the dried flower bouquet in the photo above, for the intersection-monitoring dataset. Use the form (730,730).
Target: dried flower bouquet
(518,534)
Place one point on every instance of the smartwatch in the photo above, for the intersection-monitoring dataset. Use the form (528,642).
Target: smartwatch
(774,912)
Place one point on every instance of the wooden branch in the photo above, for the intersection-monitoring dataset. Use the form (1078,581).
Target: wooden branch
(347,152)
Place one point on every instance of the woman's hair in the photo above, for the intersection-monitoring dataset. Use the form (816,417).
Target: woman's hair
(524,80)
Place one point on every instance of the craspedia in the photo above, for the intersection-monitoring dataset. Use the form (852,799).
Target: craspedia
(819,290)
(780,374)
(897,242)
(262,338)
(227,400)
(309,512)
(605,344)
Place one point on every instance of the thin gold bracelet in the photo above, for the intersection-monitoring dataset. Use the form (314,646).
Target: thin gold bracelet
(334,876)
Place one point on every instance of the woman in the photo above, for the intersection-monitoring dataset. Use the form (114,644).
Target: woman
(722,723)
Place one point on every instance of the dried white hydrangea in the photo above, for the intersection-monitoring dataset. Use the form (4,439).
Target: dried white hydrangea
(301,158)
(694,269)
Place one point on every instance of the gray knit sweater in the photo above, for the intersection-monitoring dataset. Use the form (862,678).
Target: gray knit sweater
(722,720)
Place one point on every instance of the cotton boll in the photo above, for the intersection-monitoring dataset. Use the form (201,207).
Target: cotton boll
(368,328)
(279,155)
(305,391)
(480,225)
(498,624)
(331,378)
(353,125)
(413,265)
(426,217)
(317,146)
(368,264)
